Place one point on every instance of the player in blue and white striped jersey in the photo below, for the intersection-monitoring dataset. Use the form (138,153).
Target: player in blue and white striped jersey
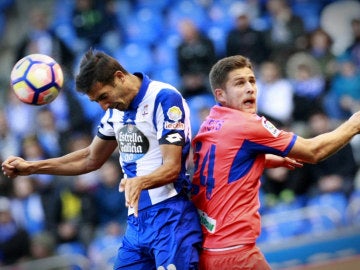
(157,116)
(149,122)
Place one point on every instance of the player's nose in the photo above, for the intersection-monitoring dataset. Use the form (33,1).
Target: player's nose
(249,88)
(104,105)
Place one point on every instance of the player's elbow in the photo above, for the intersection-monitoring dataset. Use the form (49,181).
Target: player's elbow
(92,165)
(313,159)
(308,150)
(315,156)
(173,172)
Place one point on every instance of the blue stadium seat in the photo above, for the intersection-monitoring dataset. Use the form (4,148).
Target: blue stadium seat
(263,237)
(165,66)
(164,56)
(285,220)
(218,36)
(158,5)
(327,211)
(135,57)
(168,75)
(187,9)
(62,25)
(353,209)
(310,10)
(145,26)
(198,105)
(219,14)
(124,10)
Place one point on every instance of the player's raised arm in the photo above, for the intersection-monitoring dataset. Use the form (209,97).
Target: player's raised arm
(322,146)
(74,163)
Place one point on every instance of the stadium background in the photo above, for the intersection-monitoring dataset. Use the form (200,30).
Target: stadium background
(335,243)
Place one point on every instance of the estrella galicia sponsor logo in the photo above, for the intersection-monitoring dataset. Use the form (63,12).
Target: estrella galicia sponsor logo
(133,143)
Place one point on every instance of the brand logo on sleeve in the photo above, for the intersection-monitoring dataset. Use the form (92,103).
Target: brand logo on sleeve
(270,127)
(175,125)
(173,138)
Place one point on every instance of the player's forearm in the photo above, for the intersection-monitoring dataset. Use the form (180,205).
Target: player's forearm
(169,170)
(165,174)
(327,144)
(74,163)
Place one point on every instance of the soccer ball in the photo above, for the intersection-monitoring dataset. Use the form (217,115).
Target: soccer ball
(36,79)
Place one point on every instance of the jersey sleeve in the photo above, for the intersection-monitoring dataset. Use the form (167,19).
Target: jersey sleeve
(105,129)
(267,138)
(172,118)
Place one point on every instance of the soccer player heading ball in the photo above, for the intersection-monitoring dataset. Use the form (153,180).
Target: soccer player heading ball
(148,121)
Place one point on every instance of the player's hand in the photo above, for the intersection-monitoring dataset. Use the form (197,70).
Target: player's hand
(132,190)
(14,166)
(355,121)
(292,164)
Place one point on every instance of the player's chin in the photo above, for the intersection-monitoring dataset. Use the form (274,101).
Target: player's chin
(249,109)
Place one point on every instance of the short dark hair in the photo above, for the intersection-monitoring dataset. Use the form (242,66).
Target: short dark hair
(96,66)
(219,72)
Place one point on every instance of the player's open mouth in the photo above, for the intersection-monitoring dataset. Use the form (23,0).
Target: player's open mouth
(249,101)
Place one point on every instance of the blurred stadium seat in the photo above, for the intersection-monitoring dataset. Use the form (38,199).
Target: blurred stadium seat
(199,105)
(353,209)
(144,26)
(187,9)
(69,262)
(135,57)
(285,220)
(327,211)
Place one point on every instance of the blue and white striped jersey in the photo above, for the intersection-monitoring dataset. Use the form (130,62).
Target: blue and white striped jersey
(157,115)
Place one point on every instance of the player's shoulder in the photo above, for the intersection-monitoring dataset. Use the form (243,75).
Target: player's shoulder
(160,85)
(234,115)
(164,93)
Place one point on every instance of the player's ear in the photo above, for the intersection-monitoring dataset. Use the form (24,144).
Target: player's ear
(120,75)
(220,95)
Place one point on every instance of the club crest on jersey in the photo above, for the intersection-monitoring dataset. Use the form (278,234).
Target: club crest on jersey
(145,110)
(270,127)
(130,128)
(174,113)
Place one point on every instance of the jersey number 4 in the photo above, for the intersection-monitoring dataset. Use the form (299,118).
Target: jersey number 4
(206,172)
